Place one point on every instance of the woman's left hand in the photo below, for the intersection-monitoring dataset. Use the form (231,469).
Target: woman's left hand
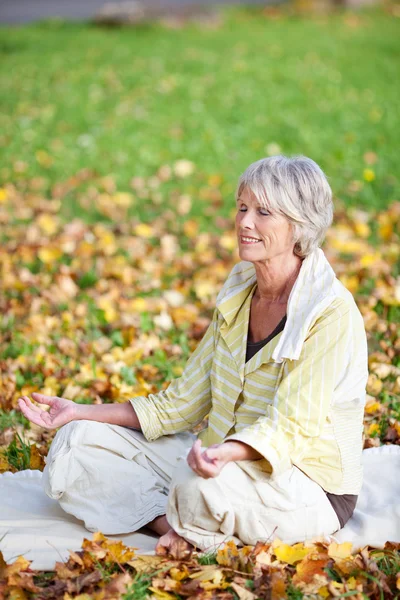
(210,462)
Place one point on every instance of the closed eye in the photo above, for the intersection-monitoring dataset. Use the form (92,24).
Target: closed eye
(263,212)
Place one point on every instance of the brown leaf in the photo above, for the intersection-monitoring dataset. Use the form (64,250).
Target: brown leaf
(278,586)
(3,566)
(309,567)
(242,592)
(391,435)
(63,572)
(23,581)
(146,563)
(117,586)
(87,579)
(21,564)
(36,459)
(76,558)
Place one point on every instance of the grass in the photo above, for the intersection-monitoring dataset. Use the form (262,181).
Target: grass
(207,558)
(12,418)
(123,102)
(139,589)
(18,454)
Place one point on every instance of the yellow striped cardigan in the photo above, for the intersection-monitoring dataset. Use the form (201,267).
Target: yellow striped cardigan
(298,401)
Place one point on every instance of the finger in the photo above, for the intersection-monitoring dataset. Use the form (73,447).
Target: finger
(27,407)
(29,404)
(42,399)
(197,452)
(211,454)
(34,417)
(161,550)
(34,413)
(189,459)
(193,464)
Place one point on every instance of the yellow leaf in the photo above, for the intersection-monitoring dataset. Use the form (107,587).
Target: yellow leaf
(204,289)
(340,550)
(290,554)
(179,574)
(144,231)
(107,305)
(145,563)
(123,199)
(21,564)
(4,466)
(36,459)
(369,260)
(191,228)
(385,229)
(106,239)
(362,229)
(373,429)
(228,242)
(118,552)
(351,282)
(47,223)
(3,195)
(49,255)
(228,554)
(373,407)
(160,595)
(323,592)
(351,583)
(374,385)
(16,593)
(138,305)
(349,246)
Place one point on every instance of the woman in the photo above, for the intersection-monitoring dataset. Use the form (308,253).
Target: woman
(281,372)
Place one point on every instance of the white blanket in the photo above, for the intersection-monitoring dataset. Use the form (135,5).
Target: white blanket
(33,525)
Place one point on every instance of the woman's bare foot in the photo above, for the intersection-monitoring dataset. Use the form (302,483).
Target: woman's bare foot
(173,544)
(159,525)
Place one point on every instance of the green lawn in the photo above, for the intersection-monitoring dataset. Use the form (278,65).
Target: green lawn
(126,101)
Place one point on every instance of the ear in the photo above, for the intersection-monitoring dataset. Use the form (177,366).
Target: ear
(297,237)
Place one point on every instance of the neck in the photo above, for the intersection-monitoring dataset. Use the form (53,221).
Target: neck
(276,277)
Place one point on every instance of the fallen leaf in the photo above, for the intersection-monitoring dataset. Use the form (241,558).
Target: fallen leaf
(242,592)
(290,554)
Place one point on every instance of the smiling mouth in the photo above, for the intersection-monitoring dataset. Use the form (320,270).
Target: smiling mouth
(249,240)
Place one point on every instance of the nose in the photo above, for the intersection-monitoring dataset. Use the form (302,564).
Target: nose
(247,220)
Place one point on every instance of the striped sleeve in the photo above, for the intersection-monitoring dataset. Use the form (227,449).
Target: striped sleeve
(186,401)
(303,398)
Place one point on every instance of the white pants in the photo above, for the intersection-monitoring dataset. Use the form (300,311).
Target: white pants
(115,481)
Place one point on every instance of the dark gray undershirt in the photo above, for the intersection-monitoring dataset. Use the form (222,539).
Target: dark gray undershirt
(343,504)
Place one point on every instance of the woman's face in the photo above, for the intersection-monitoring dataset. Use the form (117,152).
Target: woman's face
(261,235)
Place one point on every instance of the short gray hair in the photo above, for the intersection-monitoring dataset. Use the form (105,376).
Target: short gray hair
(298,189)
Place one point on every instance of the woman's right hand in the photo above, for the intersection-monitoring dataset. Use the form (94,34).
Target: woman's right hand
(61,412)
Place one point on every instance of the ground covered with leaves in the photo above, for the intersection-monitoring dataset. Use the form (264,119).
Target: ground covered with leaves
(108,570)
(121,150)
